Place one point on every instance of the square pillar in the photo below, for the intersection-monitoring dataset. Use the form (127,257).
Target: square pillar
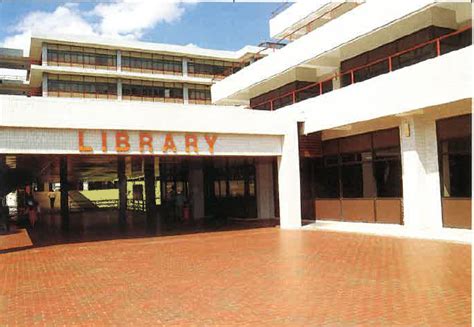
(264,183)
(150,200)
(44,85)
(44,55)
(289,180)
(185,66)
(185,94)
(119,60)
(122,188)
(63,178)
(420,173)
(119,89)
(196,187)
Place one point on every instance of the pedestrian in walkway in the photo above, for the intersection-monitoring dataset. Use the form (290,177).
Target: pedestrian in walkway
(32,206)
(52,198)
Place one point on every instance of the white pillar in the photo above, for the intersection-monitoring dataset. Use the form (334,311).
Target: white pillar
(185,66)
(196,189)
(421,183)
(289,180)
(185,94)
(119,89)
(44,55)
(264,181)
(85,186)
(119,60)
(44,85)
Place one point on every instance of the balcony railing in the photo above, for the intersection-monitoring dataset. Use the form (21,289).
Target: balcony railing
(421,52)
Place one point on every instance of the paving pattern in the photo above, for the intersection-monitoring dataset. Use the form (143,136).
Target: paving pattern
(260,276)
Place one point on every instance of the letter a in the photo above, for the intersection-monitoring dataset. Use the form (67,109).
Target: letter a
(169,144)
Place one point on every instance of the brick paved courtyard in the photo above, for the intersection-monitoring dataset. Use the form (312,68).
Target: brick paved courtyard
(261,276)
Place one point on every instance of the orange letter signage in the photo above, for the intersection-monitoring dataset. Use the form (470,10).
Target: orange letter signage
(121,142)
(82,147)
(145,139)
(169,144)
(211,140)
(191,140)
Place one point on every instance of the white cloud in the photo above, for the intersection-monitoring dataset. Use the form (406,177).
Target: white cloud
(120,19)
(64,19)
(135,16)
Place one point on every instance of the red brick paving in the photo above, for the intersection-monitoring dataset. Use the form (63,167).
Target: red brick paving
(248,277)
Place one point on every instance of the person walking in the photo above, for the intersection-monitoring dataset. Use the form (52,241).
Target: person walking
(52,198)
(32,207)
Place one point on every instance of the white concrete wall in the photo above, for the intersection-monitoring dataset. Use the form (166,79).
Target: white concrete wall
(436,81)
(289,180)
(67,141)
(265,196)
(362,20)
(66,113)
(420,177)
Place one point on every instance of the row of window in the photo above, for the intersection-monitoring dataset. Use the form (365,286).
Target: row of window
(82,87)
(152,64)
(81,58)
(156,90)
(200,94)
(160,64)
(360,166)
(455,156)
(152,91)
(209,69)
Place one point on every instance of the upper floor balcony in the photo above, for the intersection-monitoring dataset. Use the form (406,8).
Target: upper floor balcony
(338,47)
(361,68)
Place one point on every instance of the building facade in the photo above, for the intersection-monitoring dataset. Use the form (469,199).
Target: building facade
(364,116)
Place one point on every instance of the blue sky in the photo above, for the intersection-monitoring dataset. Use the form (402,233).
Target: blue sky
(216,25)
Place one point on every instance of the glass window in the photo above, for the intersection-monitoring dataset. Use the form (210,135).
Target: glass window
(352,181)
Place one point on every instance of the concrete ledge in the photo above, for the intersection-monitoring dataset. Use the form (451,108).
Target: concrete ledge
(443,234)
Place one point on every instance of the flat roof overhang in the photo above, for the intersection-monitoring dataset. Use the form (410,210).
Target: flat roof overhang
(37,42)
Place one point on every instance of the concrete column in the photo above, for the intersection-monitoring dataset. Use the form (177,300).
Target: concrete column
(336,82)
(420,173)
(44,85)
(44,55)
(64,192)
(196,187)
(85,186)
(150,201)
(185,94)
(122,188)
(289,180)
(185,66)
(119,60)
(265,196)
(119,89)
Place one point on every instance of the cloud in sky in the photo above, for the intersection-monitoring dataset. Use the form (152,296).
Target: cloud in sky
(119,19)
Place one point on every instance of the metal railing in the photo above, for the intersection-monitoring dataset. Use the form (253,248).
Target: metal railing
(77,205)
(350,76)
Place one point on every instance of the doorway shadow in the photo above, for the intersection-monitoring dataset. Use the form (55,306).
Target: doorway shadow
(99,226)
